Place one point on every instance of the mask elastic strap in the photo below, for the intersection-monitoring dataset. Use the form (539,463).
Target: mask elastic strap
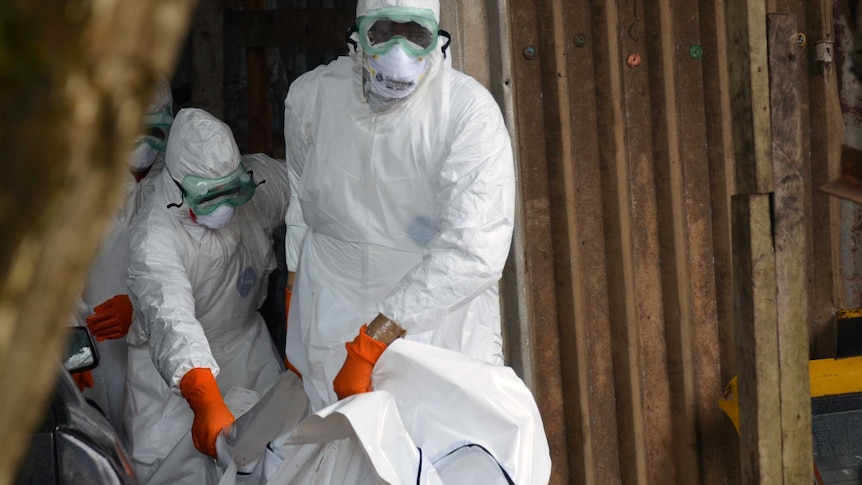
(251,174)
(349,38)
(182,192)
(448,40)
(182,199)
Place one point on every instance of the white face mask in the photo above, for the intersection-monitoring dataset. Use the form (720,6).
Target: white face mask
(218,218)
(142,157)
(395,74)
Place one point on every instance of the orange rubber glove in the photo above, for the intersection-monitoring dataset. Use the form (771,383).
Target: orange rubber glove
(211,415)
(111,319)
(83,379)
(355,375)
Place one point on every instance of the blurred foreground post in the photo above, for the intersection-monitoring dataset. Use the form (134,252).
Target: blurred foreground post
(75,77)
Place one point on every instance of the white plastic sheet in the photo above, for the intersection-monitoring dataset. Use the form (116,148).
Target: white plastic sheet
(435,417)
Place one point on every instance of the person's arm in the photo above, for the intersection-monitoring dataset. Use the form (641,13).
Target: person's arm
(476,218)
(475,215)
(272,194)
(296,143)
(384,329)
(162,296)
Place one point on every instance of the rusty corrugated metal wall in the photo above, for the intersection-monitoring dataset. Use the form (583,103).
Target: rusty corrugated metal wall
(625,142)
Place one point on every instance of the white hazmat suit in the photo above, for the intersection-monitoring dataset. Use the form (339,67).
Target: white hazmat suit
(196,292)
(406,212)
(107,274)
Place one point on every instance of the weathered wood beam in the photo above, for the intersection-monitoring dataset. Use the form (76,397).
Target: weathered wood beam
(207,58)
(312,28)
(827,133)
(757,342)
(749,92)
(791,244)
(258,85)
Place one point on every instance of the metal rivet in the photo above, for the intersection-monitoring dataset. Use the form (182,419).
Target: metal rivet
(530,52)
(634,60)
(801,40)
(580,40)
(696,51)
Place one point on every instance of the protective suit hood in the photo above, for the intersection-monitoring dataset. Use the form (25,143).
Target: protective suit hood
(162,97)
(200,145)
(364,7)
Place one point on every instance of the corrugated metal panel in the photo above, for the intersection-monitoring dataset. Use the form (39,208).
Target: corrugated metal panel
(626,157)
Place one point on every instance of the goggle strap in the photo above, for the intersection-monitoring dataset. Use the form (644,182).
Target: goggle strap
(349,38)
(448,40)
(182,192)
(251,174)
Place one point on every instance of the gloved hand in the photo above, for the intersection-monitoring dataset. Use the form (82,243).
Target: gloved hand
(111,319)
(83,379)
(211,415)
(355,375)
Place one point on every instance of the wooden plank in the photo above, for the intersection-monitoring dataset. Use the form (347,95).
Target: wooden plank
(818,257)
(757,342)
(311,28)
(259,109)
(749,93)
(530,142)
(583,302)
(207,39)
(790,248)
(827,129)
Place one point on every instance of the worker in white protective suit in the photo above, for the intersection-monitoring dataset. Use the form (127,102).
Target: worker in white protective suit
(401,217)
(199,259)
(105,307)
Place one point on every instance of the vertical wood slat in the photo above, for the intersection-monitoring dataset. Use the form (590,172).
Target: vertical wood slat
(207,39)
(720,149)
(259,109)
(747,64)
(807,142)
(757,342)
(827,126)
(539,257)
(790,239)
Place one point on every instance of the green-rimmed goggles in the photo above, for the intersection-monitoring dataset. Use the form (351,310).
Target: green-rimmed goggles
(414,28)
(158,127)
(206,195)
